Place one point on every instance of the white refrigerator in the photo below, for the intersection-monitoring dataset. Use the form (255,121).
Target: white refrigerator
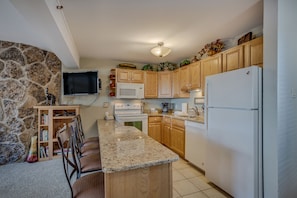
(234,131)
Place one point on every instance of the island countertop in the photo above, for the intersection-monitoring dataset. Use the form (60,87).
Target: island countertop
(126,148)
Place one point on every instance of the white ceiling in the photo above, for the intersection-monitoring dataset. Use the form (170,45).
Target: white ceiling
(125,30)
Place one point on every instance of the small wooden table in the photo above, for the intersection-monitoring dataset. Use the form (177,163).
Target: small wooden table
(134,164)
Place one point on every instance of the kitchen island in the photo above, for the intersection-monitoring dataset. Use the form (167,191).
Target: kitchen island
(134,164)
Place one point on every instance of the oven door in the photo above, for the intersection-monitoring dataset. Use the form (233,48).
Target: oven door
(138,121)
(137,124)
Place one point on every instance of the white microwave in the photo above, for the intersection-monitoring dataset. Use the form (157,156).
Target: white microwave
(130,90)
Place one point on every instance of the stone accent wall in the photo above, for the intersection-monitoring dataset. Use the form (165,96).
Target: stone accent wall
(25,73)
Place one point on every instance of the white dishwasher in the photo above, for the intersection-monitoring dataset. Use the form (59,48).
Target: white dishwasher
(195,143)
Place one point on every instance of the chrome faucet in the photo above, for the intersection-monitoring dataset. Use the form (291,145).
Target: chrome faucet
(196,110)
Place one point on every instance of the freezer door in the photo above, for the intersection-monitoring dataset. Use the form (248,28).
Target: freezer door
(235,89)
(233,149)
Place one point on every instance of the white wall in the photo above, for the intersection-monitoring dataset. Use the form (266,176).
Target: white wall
(287,101)
(270,99)
(280,102)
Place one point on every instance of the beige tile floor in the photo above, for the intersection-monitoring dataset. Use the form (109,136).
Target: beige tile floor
(190,182)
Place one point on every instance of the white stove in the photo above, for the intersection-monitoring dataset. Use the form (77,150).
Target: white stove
(131,115)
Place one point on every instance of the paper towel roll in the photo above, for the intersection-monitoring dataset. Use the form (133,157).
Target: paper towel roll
(185,107)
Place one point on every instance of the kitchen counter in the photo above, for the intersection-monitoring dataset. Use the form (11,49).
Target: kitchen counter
(199,119)
(125,147)
(127,154)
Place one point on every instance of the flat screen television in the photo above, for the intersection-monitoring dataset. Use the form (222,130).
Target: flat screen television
(81,83)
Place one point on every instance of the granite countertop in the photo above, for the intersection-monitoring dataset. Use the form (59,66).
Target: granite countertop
(199,119)
(125,148)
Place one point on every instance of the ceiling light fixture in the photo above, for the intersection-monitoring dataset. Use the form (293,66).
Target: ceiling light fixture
(160,50)
(59,6)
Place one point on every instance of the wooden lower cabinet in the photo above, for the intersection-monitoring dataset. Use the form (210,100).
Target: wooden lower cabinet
(178,136)
(166,131)
(155,127)
(173,134)
(153,181)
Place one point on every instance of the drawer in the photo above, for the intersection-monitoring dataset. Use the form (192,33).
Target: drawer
(167,119)
(178,123)
(155,119)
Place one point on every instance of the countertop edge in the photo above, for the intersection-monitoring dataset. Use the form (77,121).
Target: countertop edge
(194,119)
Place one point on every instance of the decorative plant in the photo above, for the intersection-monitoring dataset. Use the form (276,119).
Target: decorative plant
(184,62)
(148,67)
(166,66)
(212,48)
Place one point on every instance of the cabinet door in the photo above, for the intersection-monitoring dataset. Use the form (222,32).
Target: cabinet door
(166,135)
(175,83)
(209,66)
(137,76)
(178,140)
(130,76)
(123,75)
(253,52)
(151,84)
(154,131)
(233,58)
(164,81)
(155,128)
(184,74)
(195,75)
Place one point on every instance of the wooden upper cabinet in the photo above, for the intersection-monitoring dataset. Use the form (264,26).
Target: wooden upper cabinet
(151,84)
(209,66)
(164,84)
(253,52)
(175,83)
(195,75)
(184,79)
(233,58)
(130,76)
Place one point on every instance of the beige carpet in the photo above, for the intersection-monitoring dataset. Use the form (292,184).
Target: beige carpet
(30,180)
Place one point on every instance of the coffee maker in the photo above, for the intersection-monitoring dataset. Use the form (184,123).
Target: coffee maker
(167,107)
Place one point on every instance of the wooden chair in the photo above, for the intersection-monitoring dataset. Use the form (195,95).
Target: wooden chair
(88,186)
(85,163)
